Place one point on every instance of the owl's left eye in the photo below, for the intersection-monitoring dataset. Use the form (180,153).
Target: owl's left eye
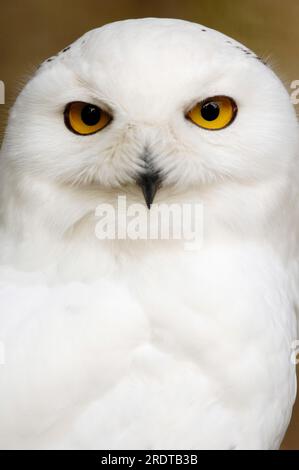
(213,113)
(84,118)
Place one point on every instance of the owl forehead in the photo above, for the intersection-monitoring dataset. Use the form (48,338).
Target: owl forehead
(155,59)
(157,55)
(158,45)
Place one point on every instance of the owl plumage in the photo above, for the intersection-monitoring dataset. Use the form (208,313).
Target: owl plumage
(117,344)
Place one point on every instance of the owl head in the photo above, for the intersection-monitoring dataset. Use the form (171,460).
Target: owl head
(154,108)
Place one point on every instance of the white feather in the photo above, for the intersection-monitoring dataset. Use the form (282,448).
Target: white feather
(123,344)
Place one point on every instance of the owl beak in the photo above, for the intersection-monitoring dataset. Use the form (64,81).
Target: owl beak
(149,183)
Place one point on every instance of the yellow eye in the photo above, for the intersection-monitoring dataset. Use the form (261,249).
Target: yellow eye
(84,118)
(214,113)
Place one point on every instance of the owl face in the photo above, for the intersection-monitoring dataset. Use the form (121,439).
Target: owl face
(152,104)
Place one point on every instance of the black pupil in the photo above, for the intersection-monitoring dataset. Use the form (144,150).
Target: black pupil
(90,115)
(210,111)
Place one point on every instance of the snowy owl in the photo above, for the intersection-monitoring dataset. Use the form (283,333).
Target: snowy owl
(144,344)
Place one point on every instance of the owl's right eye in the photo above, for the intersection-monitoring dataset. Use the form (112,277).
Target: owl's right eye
(214,113)
(84,118)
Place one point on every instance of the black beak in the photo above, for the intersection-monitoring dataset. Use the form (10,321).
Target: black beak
(149,183)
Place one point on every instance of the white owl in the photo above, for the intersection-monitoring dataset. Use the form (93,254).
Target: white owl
(119,344)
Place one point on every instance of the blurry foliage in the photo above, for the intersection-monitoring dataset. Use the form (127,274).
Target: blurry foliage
(33,30)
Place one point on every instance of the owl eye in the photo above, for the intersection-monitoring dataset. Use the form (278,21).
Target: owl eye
(84,118)
(214,113)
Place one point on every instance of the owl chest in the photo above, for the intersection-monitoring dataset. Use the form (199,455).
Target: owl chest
(217,346)
(223,306)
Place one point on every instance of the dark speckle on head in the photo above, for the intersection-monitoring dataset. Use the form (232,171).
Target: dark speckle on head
(204,30)
(66,49)
(247,52)
(50,60)
(261,60)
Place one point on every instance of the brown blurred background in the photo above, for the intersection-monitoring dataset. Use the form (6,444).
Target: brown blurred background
(32,30)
